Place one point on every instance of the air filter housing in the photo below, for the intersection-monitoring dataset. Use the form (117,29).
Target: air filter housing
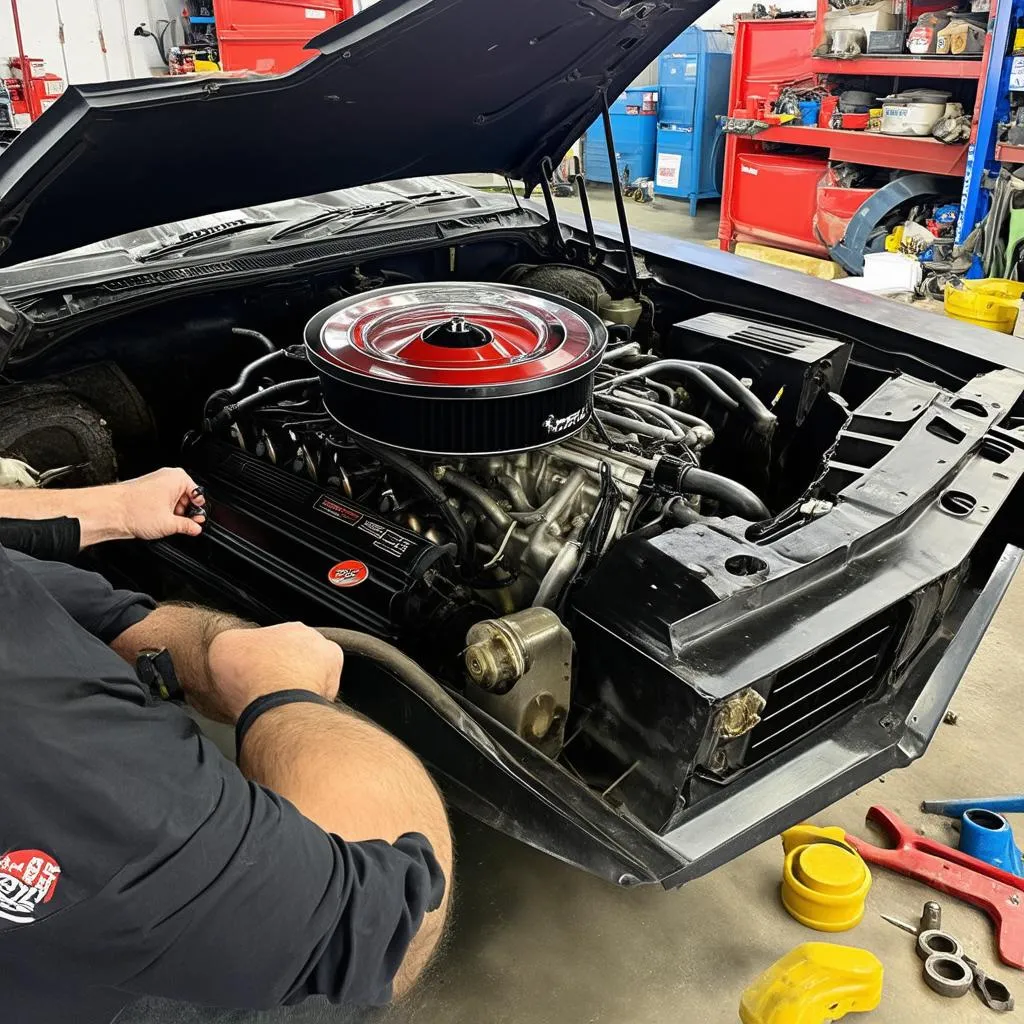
(457,369)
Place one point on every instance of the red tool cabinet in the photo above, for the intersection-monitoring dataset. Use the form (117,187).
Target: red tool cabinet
(270,36)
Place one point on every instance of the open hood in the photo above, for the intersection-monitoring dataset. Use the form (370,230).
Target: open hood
(408,87)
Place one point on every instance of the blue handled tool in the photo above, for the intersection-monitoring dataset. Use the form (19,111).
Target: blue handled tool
(956,808)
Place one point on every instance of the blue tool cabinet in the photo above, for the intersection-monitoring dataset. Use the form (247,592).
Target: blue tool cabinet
(694,82)
(634,133)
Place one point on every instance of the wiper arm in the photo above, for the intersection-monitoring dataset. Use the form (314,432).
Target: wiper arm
(354,216)
(325,217)
(192,239)
(413,203)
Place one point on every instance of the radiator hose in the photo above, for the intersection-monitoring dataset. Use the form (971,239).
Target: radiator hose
(412,675)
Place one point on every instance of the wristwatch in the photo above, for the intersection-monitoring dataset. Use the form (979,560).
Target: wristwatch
(155,670)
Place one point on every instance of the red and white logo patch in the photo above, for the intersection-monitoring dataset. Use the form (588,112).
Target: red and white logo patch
(27,878)
(348,574)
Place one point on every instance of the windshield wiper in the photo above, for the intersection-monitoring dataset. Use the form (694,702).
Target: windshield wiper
(325,217)
(190,239)
(354,216)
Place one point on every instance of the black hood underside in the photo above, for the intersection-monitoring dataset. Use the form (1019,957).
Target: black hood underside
(408,87)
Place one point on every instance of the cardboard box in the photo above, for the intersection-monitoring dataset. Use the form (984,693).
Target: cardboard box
(960,37)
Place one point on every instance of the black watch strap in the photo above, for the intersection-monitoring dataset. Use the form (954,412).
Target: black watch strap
(268,702)
(155,669)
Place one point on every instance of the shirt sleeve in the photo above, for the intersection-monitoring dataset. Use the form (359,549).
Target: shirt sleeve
(87,597)
(170,874)
(59,539)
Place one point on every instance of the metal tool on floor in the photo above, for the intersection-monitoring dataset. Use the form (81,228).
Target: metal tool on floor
(814,983)
(988,836)
(932,942)
(994,994)
(956,808)
(931,919)
(948,975)
(998,893)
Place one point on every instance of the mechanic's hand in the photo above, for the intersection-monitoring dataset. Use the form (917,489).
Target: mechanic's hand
(156,506)
(249,663)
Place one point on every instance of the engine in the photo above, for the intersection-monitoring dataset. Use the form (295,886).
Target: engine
(463,459)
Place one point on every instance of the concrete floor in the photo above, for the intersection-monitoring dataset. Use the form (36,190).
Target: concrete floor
(666,216)
(536,942)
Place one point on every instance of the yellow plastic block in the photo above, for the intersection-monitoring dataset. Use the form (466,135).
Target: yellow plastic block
(814,983)
(811,265)
(825,882)
(992,302)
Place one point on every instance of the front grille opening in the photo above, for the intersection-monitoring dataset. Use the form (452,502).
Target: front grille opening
(822,685)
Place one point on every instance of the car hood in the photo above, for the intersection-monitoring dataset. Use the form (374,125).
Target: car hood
(408,87)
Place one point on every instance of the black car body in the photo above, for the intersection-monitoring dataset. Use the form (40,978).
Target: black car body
(726,653)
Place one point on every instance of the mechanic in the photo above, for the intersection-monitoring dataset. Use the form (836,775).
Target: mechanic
(135,860)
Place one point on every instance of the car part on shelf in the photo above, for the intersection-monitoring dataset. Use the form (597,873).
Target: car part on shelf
(911,188)
(520,668)
(458,369)
(948,975)
(998,893)
(812,984)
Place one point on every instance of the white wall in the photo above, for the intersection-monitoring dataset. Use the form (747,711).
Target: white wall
(81,58)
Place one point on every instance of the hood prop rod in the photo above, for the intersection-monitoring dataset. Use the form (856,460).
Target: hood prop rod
(588,218)
(547,172)
(620,206)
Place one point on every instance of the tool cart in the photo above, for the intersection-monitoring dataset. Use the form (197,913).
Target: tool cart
(788,184)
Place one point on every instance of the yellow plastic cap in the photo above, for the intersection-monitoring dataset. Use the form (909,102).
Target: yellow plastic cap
(814,983)
(825,882)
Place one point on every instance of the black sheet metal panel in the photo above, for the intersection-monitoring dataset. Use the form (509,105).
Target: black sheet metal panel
(670,627)
(408,87)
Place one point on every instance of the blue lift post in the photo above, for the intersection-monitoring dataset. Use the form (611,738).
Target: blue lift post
(995,104)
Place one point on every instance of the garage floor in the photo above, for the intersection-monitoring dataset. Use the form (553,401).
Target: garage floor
(535,942)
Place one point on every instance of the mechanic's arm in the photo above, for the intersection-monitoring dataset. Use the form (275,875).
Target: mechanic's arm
(346,775)
(148,508)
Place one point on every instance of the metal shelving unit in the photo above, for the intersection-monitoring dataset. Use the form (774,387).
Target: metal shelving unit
(771,53)
(909,154)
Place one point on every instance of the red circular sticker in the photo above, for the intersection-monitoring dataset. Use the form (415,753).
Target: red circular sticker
(348,574)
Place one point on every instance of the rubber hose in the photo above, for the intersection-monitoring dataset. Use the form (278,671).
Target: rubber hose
(245,332)
(433,490)
(480,496)
(680,367)
(630,426)
(652,411)
(763,416)
(739,498)
(412,675)
(229,412)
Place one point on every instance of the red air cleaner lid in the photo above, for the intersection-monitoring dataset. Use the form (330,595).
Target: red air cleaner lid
(464,338)
(457,369)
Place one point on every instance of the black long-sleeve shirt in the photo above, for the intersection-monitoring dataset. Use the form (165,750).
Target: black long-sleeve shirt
(136,860)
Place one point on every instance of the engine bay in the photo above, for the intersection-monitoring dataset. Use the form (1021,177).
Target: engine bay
(643,542)
(467,455)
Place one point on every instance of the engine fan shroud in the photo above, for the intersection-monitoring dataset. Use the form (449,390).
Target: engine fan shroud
(458,368)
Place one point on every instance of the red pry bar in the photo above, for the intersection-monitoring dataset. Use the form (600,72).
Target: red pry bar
(998,893)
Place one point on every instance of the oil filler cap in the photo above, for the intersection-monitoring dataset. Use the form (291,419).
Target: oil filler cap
(825,882)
